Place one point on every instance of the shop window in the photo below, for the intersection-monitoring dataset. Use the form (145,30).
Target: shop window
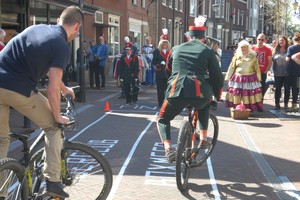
(99,17)
(113,40)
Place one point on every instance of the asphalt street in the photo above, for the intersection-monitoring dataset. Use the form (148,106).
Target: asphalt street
(258,158)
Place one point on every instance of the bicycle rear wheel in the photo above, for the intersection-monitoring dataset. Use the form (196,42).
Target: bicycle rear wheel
(86,174)
(212,136)
(182,155)
(11,179)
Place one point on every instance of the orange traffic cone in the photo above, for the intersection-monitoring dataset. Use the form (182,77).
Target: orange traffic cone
(106,107)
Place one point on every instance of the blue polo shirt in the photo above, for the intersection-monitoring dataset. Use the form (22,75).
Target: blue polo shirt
(28,57)
(293,68)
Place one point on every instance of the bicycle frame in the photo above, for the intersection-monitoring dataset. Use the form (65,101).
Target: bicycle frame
(29,151)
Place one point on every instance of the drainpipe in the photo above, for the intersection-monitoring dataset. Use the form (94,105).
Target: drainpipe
(157,26)
(82,96)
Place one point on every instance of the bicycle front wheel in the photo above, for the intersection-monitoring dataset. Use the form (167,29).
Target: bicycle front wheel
(183,154)
(212,137)
(86,174)
(11,179)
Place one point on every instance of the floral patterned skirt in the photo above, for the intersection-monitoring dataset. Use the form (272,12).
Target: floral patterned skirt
(246,89)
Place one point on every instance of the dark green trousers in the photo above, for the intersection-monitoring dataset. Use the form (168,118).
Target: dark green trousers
(173,107)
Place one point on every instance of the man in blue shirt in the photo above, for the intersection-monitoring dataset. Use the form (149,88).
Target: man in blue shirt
(102,54)
(37,51)
(293,69)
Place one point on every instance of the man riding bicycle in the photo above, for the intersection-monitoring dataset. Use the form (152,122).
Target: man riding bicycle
(187,85)
(28,57)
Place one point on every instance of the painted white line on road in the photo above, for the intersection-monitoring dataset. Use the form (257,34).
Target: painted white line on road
(109,97)
(212,179)
(88,126)
(291,189)
(264,166)
(125,165)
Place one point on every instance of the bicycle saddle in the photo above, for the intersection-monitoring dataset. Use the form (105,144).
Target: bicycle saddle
(21,133)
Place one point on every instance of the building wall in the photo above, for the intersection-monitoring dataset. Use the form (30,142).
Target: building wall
(153,13)
(158,12)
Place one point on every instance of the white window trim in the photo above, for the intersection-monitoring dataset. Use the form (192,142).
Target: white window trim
(98,13)
(164,2)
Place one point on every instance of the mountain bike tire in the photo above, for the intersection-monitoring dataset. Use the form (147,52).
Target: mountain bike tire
(12,174)
(212,137)
(87,174)
(183,154)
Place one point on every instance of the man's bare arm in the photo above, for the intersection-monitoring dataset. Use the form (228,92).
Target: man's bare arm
(296,58)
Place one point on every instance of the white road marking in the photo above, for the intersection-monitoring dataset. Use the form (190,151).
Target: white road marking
(125,165)
(212,179)
(263,164)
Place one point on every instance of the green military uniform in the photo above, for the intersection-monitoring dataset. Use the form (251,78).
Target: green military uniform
(187,84)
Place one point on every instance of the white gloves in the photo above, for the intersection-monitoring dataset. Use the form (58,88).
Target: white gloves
(163,63)
(121,79)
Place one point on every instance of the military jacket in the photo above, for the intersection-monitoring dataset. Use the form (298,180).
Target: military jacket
(189,62)
(160,69)
(129,68)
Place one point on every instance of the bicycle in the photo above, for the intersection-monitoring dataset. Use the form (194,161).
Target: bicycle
(82,167)
(188,154)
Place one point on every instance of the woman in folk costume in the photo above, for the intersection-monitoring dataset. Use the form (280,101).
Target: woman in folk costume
(244,78)
(159,62)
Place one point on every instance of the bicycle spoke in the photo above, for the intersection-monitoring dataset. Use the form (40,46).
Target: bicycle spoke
(87,169)
(10,184)
(212,135)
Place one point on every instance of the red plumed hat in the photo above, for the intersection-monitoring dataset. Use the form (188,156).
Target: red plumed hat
(128,46)
(199,28)
(164,36)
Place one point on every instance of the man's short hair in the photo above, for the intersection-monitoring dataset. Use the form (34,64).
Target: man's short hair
(71,15)
(297,36)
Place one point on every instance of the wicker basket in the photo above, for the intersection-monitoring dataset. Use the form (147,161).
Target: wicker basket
(240,114)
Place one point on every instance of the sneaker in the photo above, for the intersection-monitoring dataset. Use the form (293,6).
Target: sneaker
(170,154)
(55,189)
(204,144)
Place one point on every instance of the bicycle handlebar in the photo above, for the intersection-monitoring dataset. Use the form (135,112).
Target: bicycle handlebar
(71,113)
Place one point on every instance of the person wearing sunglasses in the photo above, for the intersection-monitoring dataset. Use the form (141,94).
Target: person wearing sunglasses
(264,56)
